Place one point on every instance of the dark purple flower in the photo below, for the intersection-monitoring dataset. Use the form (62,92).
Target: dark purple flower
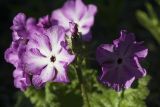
(77,12)
(45,58)
(120,61)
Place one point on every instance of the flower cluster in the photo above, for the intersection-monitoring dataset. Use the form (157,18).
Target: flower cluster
(38,51)
(41,52)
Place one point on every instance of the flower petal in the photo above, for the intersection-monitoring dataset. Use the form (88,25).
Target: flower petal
(62,20)
(104,54)
(11,56)
(124,43)
(63,55)
(56,35)
(61,68)
(137,49)
(40,42)
(123,78)
(33,61)
(74,9)
(134,66)
(37,81)
(19,22)
(21,79)
(88,19)
(48,73)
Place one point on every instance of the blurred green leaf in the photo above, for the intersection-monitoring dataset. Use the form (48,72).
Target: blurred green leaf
(150,21)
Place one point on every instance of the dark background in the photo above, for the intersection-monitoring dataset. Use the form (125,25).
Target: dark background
(112,16)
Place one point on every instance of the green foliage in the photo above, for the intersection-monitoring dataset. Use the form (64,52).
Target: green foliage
(133,97)
(150,20)
(55,94)
(61,95)
(22,101)
(42,98)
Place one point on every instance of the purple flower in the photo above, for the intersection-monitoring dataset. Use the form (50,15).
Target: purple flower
(22,28)
(12,53)
(21,79)
(37,51)
(77,12)
(46,22)
(45,58)
(120,61)
(19,38)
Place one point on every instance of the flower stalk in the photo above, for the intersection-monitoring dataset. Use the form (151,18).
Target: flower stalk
(82,85)
(76,45)
(121,98)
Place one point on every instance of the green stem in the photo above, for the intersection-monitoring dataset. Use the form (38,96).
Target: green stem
(121,98)
(78,49)
(83,90)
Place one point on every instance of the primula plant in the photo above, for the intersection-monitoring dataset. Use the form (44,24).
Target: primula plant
(51,58)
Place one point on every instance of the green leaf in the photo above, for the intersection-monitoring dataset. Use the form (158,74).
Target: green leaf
(22,101)
(150,21)
(133,97)
(43,97)
(136,97)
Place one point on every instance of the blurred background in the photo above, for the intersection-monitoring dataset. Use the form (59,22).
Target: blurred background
(138,16)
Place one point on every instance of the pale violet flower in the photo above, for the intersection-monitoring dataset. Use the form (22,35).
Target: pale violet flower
(45,57)
(76,11)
